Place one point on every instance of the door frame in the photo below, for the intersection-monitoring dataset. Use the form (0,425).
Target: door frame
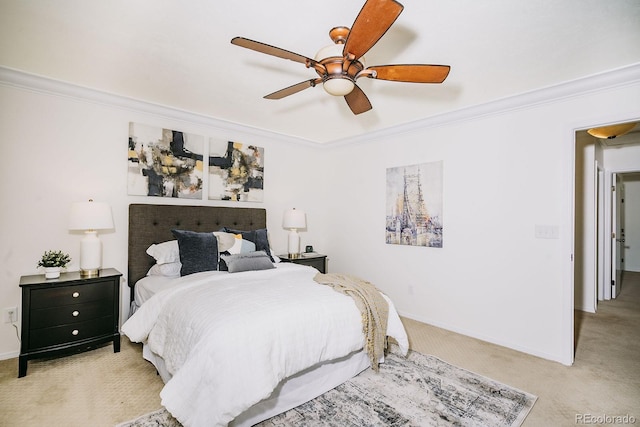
(609,225)
(617,224)
(601,235)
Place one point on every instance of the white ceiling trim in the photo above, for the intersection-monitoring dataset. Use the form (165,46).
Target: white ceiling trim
(597,82)
(32,82)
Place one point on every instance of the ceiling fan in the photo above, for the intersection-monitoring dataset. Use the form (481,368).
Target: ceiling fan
(339,65)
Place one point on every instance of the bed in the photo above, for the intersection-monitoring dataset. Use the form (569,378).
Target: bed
(239,346)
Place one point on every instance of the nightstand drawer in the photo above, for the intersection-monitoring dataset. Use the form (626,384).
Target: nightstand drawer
(46,337)
(55,316)
(65,295)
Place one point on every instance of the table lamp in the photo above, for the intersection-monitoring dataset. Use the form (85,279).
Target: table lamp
(294,220)
(90,216)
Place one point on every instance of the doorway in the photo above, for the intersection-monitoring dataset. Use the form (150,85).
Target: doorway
(599,249)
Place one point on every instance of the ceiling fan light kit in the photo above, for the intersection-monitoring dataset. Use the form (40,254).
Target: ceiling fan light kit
(335,80)
(338,86)
(339,65)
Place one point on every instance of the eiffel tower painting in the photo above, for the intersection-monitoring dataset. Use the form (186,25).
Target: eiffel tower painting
(414,205)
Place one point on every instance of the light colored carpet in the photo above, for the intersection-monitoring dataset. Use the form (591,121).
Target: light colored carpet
(604,379)
(102,388)
(419,390)
(95,388)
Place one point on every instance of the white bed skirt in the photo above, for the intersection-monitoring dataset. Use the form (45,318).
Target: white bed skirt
(292,391)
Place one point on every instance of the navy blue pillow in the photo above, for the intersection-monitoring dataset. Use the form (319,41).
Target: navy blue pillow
(198,251)
(259,237)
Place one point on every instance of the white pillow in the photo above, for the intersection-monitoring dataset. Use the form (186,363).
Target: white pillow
(225,240)
(171,269)
(166,252)
(169,252)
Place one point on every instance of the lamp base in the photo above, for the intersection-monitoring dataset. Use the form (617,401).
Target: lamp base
(90,254)
(95,272)
(294,244)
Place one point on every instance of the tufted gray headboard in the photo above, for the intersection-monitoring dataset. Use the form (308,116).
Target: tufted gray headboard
(150,224)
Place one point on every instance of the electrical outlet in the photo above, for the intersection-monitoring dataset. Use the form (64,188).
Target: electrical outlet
(10,314)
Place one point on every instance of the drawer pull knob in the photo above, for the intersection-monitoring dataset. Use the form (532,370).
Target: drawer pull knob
(74,332)
(76,294)
(75,313)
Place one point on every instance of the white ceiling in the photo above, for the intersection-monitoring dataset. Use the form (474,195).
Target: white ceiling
(178,53)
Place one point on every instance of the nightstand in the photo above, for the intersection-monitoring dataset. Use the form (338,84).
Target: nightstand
(68,315)
(317,261)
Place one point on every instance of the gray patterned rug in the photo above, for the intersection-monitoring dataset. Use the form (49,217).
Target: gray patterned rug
(420,390)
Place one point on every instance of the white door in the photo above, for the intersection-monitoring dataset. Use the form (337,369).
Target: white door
(617,234)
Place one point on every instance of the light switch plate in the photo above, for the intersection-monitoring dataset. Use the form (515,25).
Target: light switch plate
(547,231)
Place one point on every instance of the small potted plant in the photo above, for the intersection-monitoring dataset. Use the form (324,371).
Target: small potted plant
(53,262)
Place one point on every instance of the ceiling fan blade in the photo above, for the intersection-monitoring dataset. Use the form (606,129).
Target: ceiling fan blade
(272,50)
(357,101)
(374,19)
(293,89)
(418,73)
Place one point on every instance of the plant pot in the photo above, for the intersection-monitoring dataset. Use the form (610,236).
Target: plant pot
(52,272)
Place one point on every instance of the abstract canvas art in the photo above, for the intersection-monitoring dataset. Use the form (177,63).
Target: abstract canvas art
(414,205)
(164,162)
(236,171)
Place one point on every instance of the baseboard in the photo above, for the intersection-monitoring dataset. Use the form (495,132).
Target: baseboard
(10,355)
(585,309)
(501,343)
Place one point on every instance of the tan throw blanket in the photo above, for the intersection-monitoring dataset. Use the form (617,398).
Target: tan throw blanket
(372,306)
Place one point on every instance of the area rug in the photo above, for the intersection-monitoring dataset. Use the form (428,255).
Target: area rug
(419,390)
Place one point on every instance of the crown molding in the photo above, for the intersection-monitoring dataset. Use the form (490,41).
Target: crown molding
(598,82)
(36,83)
(618,77)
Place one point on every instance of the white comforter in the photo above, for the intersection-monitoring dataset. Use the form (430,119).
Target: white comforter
(229,339)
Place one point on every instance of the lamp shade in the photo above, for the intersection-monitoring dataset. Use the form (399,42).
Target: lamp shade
(294,219)
(338,86)
(90,216)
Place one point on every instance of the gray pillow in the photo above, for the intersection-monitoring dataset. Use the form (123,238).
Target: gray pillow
(198,251)
(250,261)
